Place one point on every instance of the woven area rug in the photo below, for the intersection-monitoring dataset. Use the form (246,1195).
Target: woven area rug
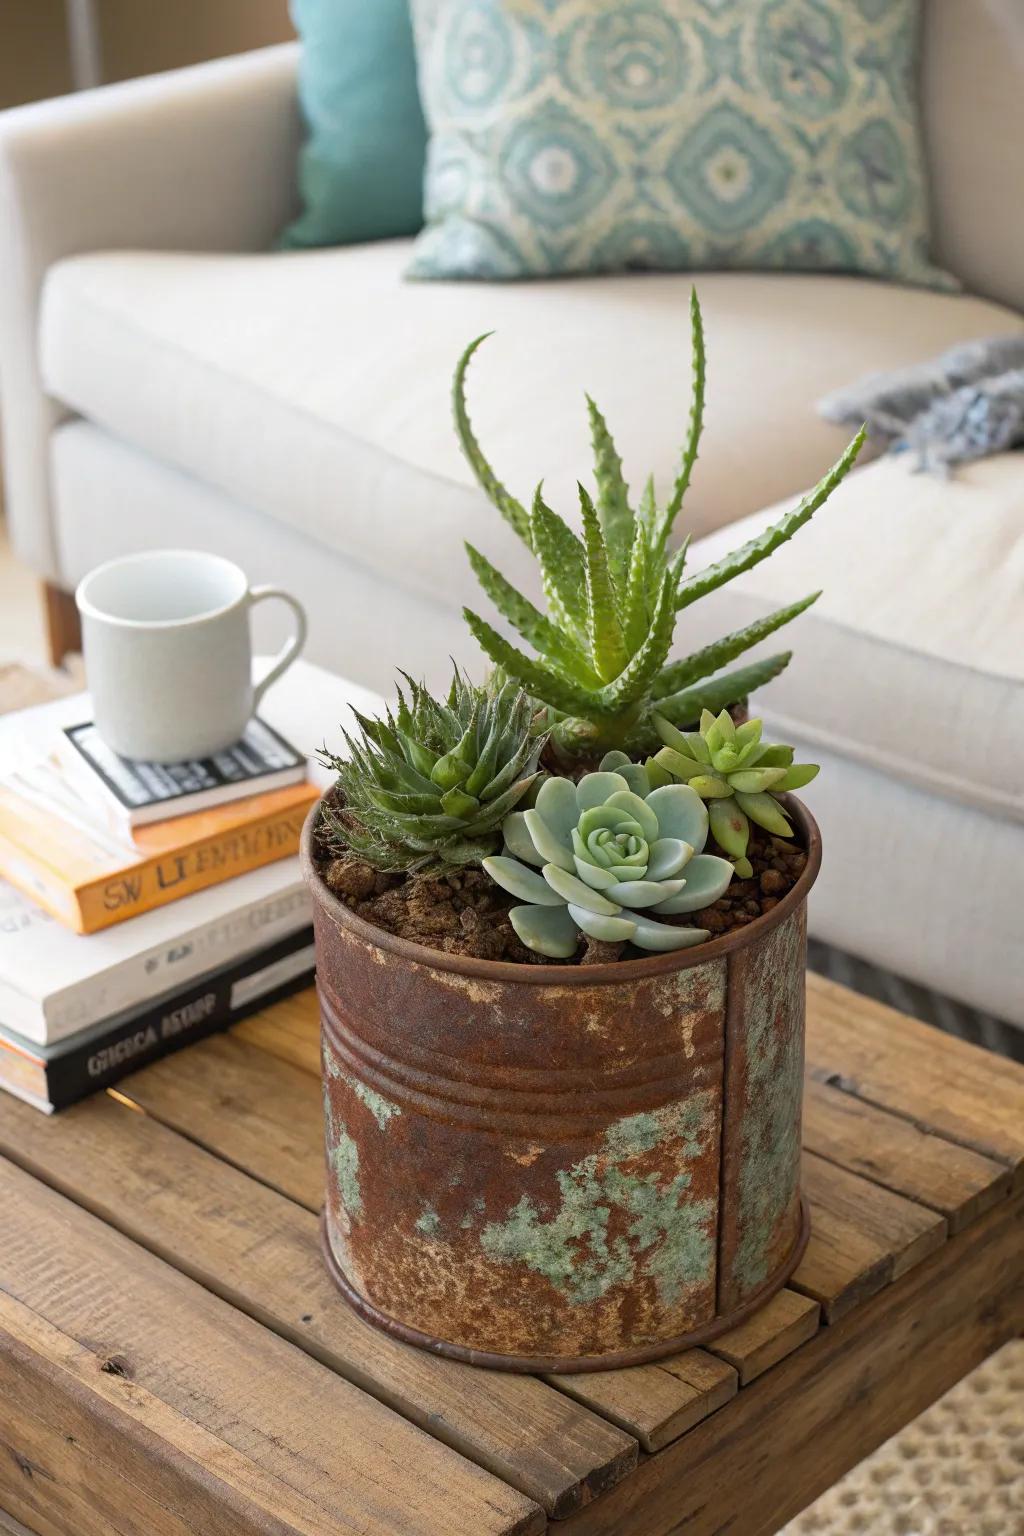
(958,1470)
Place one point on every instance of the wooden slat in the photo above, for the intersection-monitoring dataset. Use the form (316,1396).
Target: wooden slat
(260,1251)
(797,1429)
(894,1152)
(263,1114)
(657,1403)
(862,1236)
(252,1109)
(940,1083)
(779,1327)
(198,1407)
(289,1030)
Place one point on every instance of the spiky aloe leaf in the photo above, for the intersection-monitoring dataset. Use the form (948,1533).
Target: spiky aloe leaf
(548,686)
(696,425)
(512,511)
(755,550)
(533,625)
(718,693)
(635,679)
(562,565)
(711,658)
(607,647)
(612,496)
(636,613)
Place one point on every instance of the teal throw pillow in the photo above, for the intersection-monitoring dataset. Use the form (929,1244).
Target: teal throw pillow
(598,135)
(361,167)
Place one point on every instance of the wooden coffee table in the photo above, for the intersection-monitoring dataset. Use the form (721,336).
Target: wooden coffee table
(174,1358)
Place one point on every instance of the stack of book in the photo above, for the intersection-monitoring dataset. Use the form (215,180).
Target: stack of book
(142,907)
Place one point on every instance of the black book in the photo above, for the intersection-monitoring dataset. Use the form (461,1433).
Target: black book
(51,1077)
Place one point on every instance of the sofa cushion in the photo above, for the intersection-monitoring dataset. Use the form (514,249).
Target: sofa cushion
(361,165)
(315,386)
(676,134)
(912,660)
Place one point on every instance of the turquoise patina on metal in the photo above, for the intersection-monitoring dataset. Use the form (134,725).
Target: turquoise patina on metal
(764,1092)
(665,1236)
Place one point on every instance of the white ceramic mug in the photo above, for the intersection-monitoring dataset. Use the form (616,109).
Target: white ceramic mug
(168,652)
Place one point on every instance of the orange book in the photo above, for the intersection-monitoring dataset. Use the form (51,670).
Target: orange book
(89,885)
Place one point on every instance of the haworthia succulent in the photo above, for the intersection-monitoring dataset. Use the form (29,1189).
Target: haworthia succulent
(428,786)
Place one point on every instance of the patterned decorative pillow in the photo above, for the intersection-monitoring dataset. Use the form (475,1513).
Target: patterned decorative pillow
(597,135)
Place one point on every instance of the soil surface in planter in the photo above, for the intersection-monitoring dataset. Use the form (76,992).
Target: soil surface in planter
(465,913)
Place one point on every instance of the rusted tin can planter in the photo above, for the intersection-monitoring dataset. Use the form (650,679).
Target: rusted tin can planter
(561,1167)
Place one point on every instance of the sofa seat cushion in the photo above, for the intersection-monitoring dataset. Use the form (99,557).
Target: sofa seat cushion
(314,386)
(912,660)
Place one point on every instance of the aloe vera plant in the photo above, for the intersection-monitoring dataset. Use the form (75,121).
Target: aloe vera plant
(426,789)
(602,649)
(737,773)
(612,851)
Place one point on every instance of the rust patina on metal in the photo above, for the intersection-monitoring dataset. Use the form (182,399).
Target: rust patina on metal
(562,1168)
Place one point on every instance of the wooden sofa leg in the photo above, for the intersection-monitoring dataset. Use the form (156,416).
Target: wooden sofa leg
(63,627)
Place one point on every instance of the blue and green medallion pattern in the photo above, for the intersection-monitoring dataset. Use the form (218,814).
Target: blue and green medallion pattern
(603,135)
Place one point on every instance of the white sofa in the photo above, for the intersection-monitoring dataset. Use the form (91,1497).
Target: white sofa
(166,379)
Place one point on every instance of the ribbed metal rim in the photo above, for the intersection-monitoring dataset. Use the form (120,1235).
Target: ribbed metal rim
(618,971)
(565,1365)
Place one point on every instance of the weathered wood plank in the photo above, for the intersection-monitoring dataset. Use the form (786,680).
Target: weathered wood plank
(862,1236)
(189,1397)
(656,1402)
(252,1109)
(797,1429)
(290,1030)
(260,1251)
(262,1114)
(774,1331)
(893,1152)
(940,1083)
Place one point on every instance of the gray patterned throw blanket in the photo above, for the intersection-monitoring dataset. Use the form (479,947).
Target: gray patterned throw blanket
(966,404)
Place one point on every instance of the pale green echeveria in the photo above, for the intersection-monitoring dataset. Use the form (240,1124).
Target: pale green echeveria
(606,857)
(737,773)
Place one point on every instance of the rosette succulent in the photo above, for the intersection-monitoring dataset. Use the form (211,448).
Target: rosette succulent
(427,788)
(602,649)
(609,855)
(737,773)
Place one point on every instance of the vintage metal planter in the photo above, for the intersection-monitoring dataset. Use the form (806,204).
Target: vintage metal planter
(545,1167)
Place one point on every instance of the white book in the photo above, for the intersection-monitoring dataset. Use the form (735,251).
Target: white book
(54,982)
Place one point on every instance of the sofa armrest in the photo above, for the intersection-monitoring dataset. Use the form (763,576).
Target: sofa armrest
(196,159)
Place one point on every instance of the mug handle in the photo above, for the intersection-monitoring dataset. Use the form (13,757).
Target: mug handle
(292,646)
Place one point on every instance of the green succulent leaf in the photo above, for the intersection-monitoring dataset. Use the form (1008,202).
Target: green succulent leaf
(636,612)
(534,626)
(634,682)
(541,681)
(720,692)
(563,565)
(729,826)
(607,646)
(512,511)
(766,812)
(696,425)
(755,550)
(680,674)
(612,496)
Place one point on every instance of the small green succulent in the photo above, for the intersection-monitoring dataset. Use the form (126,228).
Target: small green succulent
(613,595)
(427,788)
(737,773)
(611,852)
